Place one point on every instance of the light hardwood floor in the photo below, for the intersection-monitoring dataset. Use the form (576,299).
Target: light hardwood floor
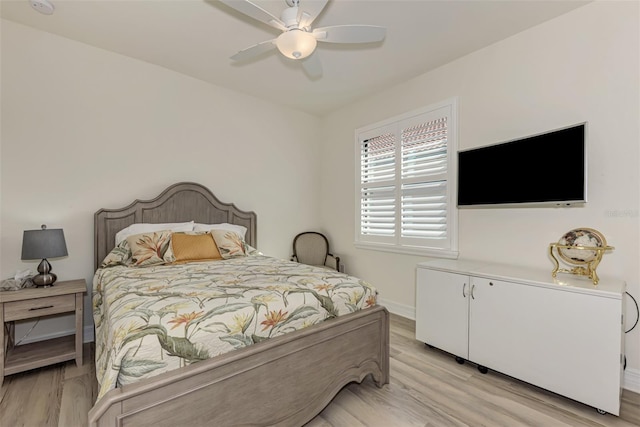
(427,388)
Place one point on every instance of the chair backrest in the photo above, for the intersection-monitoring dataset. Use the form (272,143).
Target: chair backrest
(311,248)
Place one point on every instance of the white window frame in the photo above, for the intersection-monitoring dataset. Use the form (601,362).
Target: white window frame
(442,248)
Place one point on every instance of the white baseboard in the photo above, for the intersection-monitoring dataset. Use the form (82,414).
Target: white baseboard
(406,311)
(631,380)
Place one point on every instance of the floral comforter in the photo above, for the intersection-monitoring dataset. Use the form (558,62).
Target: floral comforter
(155,319)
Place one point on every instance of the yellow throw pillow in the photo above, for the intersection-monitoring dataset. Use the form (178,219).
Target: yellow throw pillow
(194,247)
(149,248)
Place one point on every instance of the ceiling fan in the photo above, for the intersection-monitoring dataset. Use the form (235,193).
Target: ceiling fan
(298,40)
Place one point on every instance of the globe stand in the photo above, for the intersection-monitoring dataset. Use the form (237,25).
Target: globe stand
(582,268)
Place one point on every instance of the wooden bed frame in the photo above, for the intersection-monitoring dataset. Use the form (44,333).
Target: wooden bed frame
(283,381)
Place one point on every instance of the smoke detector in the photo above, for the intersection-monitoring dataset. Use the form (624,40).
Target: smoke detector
(42,6)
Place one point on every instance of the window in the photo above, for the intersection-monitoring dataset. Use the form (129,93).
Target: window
(406,184)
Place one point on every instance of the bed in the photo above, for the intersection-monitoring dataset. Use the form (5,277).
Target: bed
(285,380)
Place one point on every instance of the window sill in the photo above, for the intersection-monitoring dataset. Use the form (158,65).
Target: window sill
(408,250)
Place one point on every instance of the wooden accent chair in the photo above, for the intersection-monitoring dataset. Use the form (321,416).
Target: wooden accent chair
(312,248)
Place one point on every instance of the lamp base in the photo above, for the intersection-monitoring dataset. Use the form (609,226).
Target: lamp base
(44,280)
(46,277)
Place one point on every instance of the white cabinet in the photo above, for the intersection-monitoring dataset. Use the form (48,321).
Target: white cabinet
(442,309)
(564,335)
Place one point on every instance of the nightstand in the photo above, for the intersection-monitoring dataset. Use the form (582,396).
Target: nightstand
(32,303)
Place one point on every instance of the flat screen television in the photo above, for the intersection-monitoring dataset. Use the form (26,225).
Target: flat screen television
(545,169)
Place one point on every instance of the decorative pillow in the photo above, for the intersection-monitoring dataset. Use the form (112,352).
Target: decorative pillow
(120,255)
(229,243)
(150,248)
(251,251)
(148,228)
(242,231)
(194,247)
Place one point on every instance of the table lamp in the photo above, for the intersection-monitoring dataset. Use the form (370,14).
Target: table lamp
(43,244)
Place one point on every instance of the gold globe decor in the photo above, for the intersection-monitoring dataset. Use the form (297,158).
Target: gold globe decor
(581,248)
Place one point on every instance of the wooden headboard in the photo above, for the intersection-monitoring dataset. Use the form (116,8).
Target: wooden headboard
(182,202)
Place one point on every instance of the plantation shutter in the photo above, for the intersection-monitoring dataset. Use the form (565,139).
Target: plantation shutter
(378,186)
(424,180)
(406,183)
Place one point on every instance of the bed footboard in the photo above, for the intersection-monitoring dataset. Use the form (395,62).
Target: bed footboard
(285,381)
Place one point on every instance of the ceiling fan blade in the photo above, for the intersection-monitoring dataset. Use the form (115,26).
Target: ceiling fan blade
(255,50)
(350,34)
(308,11)
(256,12)
(312,65)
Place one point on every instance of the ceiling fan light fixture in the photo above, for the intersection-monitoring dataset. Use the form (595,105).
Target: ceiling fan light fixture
(296,44)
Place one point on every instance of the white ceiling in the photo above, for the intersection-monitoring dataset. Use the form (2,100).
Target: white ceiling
(197,37)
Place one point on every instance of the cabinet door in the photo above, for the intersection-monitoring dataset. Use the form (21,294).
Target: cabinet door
(442,310)
(563,341)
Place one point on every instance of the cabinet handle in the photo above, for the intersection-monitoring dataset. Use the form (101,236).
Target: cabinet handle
(472,288)
(464,294)
(40,308)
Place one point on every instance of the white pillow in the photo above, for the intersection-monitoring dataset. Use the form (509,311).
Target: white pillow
(147,228)
(238,229)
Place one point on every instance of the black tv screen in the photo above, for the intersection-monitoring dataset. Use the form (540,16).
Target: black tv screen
(548,168)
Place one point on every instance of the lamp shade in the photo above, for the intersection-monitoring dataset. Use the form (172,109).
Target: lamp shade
(296,44)
(42,244)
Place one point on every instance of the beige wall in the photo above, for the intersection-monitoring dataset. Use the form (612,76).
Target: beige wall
(583,66)
(83,129)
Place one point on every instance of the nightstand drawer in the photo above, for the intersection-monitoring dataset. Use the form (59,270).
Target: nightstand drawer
(28,309)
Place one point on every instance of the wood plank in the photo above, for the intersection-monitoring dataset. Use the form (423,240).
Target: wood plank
(74,407)
(33,398)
